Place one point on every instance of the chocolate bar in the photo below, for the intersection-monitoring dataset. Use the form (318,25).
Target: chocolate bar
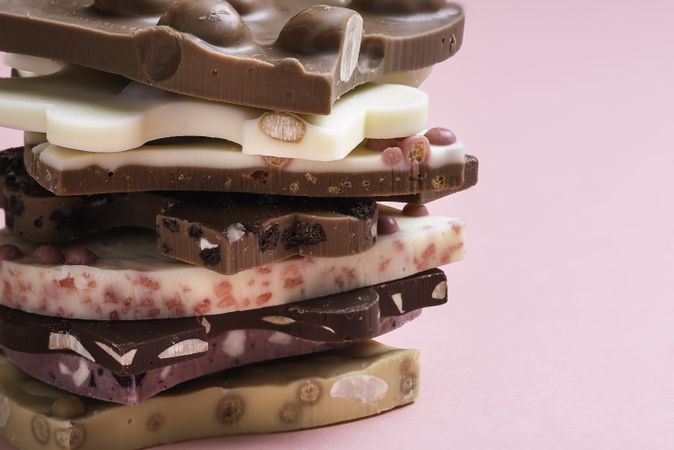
(291,55)
(98,112)
(216,166)
(133,347)
(169,365)
(227,233)
(310,391)
(130,280)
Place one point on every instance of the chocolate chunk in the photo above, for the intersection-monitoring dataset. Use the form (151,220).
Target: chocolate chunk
(171,225)
(288,55)
(231,230)
(9,252)
(200,228)
(214,21)
(414,210)
(386,225)
(209,256)
(272,176)
(80,256)
(350,316)
(48,254)
(440,136)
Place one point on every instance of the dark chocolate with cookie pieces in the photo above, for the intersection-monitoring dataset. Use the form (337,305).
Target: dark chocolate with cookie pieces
(291,55)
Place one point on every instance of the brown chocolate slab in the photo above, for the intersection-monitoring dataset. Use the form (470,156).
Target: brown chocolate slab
(295,55)
(407,186)
(232,232)
(340,318)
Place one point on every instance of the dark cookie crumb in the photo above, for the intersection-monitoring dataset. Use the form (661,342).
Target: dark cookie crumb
(268,238)
(194,231)
(211,256)
(303,233)
(171,224)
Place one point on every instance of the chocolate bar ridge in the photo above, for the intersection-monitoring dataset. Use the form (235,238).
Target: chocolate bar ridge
(293,55)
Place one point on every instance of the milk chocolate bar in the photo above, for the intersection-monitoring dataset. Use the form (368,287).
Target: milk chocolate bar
(310,391)
(217,166)
(135,347)
(224,232)
(129,279)
(97,112)
(292,55)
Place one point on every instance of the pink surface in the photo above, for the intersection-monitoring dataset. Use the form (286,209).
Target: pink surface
(559,333)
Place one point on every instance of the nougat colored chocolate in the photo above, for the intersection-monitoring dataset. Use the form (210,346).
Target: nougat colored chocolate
(224,232)
(294,55)
(134,347)
(363,173)
(310,391)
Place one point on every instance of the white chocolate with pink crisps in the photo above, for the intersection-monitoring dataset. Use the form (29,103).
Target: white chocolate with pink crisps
(131,280)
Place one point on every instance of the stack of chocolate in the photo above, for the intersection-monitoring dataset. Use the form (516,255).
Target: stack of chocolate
(194,245)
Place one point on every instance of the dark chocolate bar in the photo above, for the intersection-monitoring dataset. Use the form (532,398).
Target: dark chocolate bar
(294,55)
(57,351)
(339,318)
(224,232)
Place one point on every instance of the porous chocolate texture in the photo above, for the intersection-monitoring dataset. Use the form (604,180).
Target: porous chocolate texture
(223,232)
(134,347)
(294,55)
(422,184)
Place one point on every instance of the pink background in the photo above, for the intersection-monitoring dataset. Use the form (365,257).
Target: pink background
(559,331)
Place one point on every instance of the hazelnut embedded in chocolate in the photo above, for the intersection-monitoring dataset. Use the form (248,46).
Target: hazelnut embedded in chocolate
(70,438)
(132,7)
(68,407)
(245,7)
(80,256)
(440,136)
(397,6)
(290,412)
(230,409)
(386,225)
(9,252)
(282,126)
(415,210)
(48,254)
(214,21)
(323,28)
(309,391)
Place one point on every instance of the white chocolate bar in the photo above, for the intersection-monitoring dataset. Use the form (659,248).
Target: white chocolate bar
(132,280)
(218,154)
(323,389)
(97,112)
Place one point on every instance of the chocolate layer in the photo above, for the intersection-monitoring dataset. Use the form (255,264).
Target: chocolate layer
(134,347)
(413,183)
(224,232)
(318,390)
(295,55)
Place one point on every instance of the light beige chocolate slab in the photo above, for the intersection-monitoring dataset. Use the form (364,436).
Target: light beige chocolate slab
(351,383)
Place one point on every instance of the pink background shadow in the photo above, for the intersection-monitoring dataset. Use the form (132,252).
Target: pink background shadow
(559,331)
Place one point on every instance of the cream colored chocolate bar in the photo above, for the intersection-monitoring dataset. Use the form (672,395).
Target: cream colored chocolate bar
(97,112)
(131,280)
(351,383)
